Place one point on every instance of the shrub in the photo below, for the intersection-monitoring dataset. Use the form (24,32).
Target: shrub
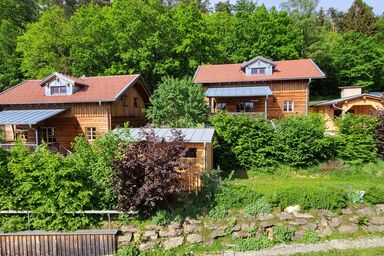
(374,195)
(282,234)
(311,237)
(146,176)
(248,138)
(219,212)
(312,197)
(356,143)
(44,182)
(161,218)
(13,223)
(261,205)
(379,134)
(236,196)
(128,251)
(300,140)
(253,244)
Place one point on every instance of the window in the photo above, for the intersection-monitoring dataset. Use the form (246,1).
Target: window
(191,153)
(90,133)
(22,134)
(135,104)
(47,135)
(257,71)
(221,105)
(248,106)
(58,90)
(239,107)
(288,106)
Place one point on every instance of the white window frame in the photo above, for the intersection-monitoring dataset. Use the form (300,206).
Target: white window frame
(90,133)
(288,106)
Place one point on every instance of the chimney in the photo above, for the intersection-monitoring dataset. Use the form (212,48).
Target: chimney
(347,91)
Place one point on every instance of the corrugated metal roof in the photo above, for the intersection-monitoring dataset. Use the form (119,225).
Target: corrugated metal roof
(28,116)
(191,135)
(238,91)
(335,101)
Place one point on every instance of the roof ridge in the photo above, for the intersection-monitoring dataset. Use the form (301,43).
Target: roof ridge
(109,76)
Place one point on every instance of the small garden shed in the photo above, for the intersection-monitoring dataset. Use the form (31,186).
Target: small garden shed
(199,154)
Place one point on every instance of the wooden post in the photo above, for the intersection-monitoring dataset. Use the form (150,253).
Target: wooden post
(266,106)
(212,106)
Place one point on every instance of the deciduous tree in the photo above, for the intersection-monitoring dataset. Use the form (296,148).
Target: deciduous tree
(177,103)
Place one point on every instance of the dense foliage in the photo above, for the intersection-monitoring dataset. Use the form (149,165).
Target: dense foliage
(54,186)
(311,197)
(146,174)
(177,103)
(295,140)
(248,138)
(356,143)
(45,182)
(159,38)
(379,134)
(300,140)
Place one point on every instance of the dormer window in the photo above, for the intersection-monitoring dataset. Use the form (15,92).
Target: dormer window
(58,90)
(57,84)
(258,71)
(258,66)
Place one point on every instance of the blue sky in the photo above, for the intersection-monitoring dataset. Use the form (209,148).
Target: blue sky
(378,5)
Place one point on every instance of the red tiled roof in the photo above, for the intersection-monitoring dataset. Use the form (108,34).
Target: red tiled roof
(284,70)
(98,88)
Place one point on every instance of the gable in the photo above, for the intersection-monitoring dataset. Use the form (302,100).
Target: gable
(259,67)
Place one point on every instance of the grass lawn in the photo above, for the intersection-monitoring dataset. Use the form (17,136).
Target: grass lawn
(362,252)
(331,174)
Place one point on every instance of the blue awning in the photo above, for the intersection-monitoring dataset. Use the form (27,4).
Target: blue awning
(239,91)
(27,117)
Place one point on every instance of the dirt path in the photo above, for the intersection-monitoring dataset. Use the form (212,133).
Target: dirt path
(341,244)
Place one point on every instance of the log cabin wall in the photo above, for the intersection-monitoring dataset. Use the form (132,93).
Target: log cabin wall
(203,162)
(79,116)
(295,90)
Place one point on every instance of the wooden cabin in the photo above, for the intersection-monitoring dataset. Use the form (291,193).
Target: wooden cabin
(200,151)
(60,107)
(259,86)
(352,101)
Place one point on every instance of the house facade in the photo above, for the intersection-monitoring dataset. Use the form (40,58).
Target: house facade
(259,86)
(60,107)
(352,100)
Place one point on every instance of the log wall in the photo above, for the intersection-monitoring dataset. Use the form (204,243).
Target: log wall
(296,91)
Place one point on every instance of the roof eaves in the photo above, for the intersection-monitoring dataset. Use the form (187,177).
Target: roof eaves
(247,63)
(317,67)
(131,83)
(335,101)
(57,74)
(194,76)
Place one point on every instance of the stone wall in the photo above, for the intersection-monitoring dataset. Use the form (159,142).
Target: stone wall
(323,222)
